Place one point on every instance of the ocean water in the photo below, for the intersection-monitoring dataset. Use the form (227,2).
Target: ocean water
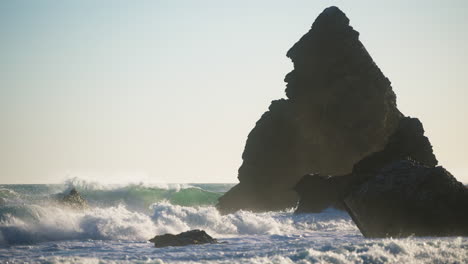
(121,218)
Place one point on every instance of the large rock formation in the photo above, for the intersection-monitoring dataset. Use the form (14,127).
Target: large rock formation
(317,192)
(339,108)
(407,198)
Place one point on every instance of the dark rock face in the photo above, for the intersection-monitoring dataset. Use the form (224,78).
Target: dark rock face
(407,198)
(191,237)
(407,142)
(317,192)
(73,199)
(340,108)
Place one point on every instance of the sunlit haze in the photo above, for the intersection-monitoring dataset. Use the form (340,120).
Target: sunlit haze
(167,91)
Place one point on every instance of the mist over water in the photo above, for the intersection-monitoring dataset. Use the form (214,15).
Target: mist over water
(121,218)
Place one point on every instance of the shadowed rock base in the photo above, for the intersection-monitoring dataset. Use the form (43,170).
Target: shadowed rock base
(406,198)
(318,192)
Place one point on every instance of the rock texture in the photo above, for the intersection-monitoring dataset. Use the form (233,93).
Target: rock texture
(407,198)
(407,142)
(191,237)
(339,108)
(73,199)
(318,192)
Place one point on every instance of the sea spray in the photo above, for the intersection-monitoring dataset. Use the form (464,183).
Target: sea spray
(138,197)
(251,250)
(51,222)
(171,218)
(38,223)
(34,228)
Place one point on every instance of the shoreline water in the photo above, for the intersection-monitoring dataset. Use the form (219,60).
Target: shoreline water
(121,220)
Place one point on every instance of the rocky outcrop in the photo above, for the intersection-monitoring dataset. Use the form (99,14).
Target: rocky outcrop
(74,200)
(395,192)
(407,198)
(407,142)
(339,109)
(192,237)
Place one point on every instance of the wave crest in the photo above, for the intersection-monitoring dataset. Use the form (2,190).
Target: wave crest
(171,218)
(52,223)
(28,224)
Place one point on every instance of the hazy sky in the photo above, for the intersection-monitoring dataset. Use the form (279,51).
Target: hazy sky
(169,90)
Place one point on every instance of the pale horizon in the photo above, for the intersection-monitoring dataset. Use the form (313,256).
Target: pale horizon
(167,92)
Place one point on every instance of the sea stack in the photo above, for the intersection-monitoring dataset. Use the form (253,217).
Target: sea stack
(339,108)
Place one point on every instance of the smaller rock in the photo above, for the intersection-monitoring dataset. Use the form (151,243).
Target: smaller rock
(317,192)
(74,200)
(192,237)
(407,198)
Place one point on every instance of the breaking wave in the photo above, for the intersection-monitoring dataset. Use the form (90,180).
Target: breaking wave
(135,196)
(27,224)
(121,218)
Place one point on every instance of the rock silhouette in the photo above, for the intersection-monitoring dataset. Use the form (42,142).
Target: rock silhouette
(318,192)
(408,141)
(191,237)
(407,198)
(339,109)
(73,199)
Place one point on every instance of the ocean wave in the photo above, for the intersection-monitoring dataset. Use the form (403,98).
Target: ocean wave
(85,184)
(38,223)
(141,198)
(137,197)
(171,218)
(409,250)
(27,224)
(391,251)
(118,234)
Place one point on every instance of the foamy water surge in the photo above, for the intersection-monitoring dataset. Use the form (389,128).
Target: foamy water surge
(35,229)
(29,224)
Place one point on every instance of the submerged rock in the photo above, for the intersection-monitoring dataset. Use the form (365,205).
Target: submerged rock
(407,198)
(192,237)
(339,108)
(73,199)
(408,141)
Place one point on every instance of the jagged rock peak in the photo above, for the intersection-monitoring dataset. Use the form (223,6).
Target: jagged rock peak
(330,23)
(331,17)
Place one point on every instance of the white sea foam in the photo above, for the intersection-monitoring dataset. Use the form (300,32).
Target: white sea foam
(392,251)
(40,223)
(51,222)
(91,184)
(45,232)
(174,219)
